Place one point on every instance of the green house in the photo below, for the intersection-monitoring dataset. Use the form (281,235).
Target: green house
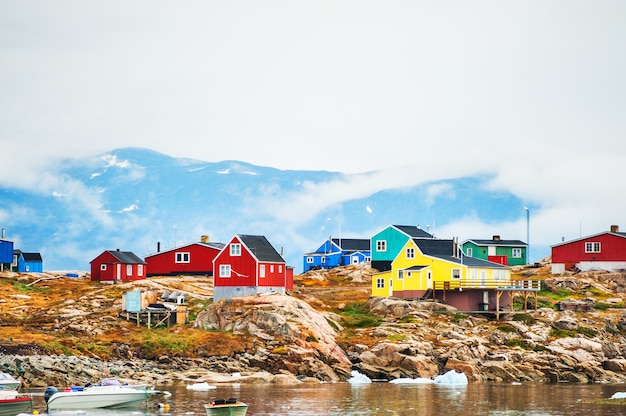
(497,250)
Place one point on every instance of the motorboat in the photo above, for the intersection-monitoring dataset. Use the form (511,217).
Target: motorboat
(228,407)
(7,381)
(108,394)
(12,402)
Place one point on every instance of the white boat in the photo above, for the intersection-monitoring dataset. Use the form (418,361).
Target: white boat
(8,382)
(12,402)
(98,396)
(228,407)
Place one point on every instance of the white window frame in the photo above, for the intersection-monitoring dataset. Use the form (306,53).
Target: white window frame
(280,268)
(474,274)
(235,249)
(593,247)
(410,252)
(323,259)
(309,260)
(499,274)
(140,270)
(103,267)
(380,283)
(516,253)
(470,252)
(225,270)
(381,245)
(271,268)
(182,257)
(262,270)
(454,274)
(129,270)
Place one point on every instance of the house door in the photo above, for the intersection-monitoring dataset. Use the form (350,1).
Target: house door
(355,260)
(429,279)
(118,271)
(390,287)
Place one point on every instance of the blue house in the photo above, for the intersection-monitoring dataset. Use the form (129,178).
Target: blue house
(6,254)
(338,252)
(27,262)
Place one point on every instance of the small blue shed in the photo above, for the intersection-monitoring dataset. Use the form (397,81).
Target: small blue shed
(6,254)
(27,262)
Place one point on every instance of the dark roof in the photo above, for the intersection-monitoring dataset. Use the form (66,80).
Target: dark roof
(435,247)
(496,242)
(352,244)
(32,256)
(261,248)
(126,257)
(217,246)
(415,268)
(413,231)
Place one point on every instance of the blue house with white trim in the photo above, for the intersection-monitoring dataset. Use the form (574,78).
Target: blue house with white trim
(338,252)
(27,262)
(6,254)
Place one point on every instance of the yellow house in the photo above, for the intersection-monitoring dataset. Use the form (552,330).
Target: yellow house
(436,269)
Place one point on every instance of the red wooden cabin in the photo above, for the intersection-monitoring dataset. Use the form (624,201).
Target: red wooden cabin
(602,251)
(191,259)
(249,265)
(116,265)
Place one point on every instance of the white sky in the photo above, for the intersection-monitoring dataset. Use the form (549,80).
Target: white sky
(531,91)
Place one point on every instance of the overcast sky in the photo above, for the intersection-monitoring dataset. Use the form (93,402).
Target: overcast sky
(532,92)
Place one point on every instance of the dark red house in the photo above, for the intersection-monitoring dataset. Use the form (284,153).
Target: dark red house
(249,265)
(116,265)
(190,259)
(602,251)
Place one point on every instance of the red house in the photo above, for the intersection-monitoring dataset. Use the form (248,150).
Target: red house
(116,265)
(249,265)
(191,259)
(602,251)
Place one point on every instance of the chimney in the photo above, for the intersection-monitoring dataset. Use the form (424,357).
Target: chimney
(2,232)
(158,246)
(204,238)
(614,229)
(455,246)
(496,238)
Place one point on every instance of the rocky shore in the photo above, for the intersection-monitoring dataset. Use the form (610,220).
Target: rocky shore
(300,338)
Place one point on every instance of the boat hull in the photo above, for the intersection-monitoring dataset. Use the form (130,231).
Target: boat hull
(11,407)
(99,397)
(236,409)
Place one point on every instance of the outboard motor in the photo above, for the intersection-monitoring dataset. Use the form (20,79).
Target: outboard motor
(49,392)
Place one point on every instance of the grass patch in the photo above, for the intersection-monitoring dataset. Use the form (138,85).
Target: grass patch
(22,288)
(517,343)
(556,293)
(525,318)
(603,306)
(397,337)
(569,333)
(506,328)
(406,319)
(458,317)
(356,315)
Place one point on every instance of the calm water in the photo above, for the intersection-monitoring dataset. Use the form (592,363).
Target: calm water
(494,399)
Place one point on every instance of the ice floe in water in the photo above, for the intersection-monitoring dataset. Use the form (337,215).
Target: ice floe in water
(200,387)
(358,378)
(619,395)
(451,378)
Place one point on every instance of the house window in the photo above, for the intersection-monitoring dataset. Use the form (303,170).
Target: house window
(380,283)
(367,259)
(408,274)
(129,270)
(499,274)
(410,253)
(271,268)
(592,247)
(235,249)
(470,252)
(262,270)
(323,259)
(381,245)
(103,267)
(456,274)
(182,257)
(280,268)
(224,270)
(516,253)
(473,274)
(309,259)
(140,270)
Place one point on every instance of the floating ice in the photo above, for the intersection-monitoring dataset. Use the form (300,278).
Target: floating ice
(200,386)
(412,381)
(619,395)
(451,377)
(358,378)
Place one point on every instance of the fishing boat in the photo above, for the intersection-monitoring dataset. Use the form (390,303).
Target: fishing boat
(12,402)
(7,381)
(102,395)
(228,407)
